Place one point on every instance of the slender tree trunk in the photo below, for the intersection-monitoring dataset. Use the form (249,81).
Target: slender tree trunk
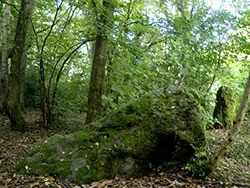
(99,62)
(43,104)
(58,76)
(21,97)
(236,126)
(44,95)
(4,58)
(217,67)
(182,6)
(13,106)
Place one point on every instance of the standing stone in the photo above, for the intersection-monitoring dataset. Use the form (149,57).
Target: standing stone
(224,112)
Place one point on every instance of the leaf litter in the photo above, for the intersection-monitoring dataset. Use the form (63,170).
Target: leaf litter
(15,145)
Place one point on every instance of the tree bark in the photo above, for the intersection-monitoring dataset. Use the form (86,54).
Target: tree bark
(99,63)
(13,104)
(23,74)
(44,96)
(182,7)
(236,126)
(4,58)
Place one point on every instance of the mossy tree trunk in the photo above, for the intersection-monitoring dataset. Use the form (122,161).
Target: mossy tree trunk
(4,58)
(13,104)
(236,126)
(100,54)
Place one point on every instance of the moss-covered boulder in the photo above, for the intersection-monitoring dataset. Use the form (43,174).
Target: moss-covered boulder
(225,108)
(161,128)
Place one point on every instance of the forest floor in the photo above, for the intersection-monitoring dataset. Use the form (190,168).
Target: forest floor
(233,170)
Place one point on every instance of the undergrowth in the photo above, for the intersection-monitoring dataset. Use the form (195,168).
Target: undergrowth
(235,165)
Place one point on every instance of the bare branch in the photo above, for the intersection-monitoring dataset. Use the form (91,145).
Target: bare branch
(10,4)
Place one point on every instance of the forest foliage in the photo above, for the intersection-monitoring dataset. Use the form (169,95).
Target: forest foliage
(72,56)
(152,44)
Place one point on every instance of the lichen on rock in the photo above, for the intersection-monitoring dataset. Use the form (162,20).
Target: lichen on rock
(160,128)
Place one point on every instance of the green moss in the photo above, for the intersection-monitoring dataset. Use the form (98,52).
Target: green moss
(159,128)
(225,109)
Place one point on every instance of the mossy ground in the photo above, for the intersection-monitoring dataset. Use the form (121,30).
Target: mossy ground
(233,170)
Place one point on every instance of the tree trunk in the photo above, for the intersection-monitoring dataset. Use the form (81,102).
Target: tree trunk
(43,104)
(44,95)
(4,58)
(13,107)
(182,6)
(23,74)
(58,76)
(99,62)
(236,126)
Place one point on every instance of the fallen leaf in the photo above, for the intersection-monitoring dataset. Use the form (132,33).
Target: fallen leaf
(88,167)
(95,185)
(105,183)
(76,186)
(51,179)
(34,184)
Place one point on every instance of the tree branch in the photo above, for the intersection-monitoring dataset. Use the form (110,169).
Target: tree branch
(62,67)
(10,4)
